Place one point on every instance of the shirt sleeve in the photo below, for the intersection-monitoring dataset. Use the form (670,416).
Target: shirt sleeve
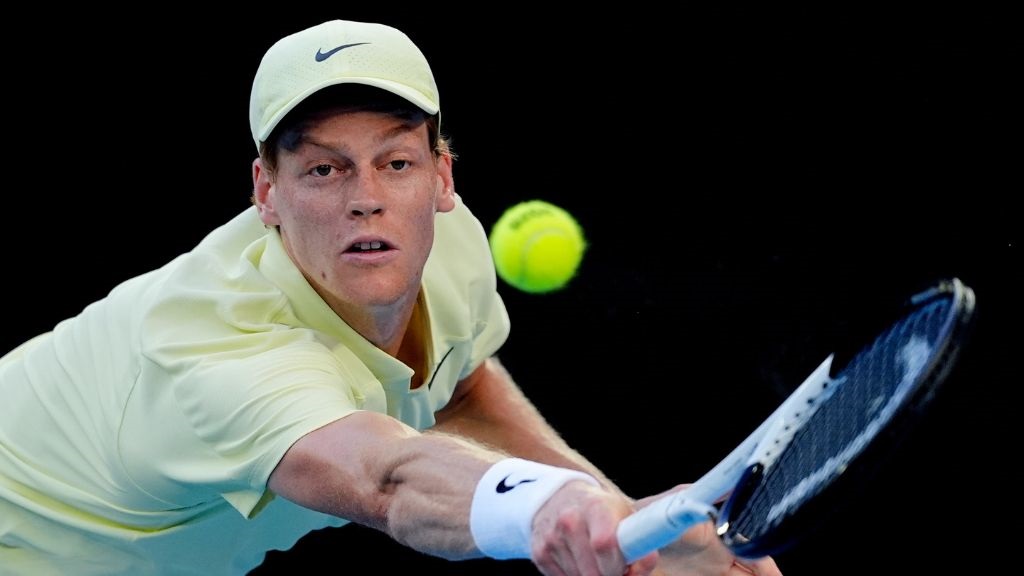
(228,419)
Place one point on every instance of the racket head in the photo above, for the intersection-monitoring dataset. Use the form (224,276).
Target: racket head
(880,393)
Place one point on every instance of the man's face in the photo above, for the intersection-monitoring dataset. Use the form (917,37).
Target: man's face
(355,203)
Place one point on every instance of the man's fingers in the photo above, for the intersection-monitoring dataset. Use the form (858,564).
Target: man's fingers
(760,567)
(644,566)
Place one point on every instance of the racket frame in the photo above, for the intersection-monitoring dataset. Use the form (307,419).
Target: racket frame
(734,477)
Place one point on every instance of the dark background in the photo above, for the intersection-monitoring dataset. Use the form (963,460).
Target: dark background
(752,183)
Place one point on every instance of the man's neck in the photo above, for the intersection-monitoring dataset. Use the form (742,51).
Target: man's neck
(384,327)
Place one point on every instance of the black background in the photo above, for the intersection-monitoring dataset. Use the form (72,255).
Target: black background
(752,183)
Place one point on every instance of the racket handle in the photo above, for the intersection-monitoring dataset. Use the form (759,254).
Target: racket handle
(660,523)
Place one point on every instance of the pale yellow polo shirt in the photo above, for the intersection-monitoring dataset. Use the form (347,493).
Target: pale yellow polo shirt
(138,437)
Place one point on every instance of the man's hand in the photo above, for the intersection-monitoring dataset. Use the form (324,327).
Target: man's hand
(699,552)
(574,534)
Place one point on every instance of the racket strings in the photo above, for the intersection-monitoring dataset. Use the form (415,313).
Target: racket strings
(868,392)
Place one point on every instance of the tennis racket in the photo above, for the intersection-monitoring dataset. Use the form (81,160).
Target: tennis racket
(822,442)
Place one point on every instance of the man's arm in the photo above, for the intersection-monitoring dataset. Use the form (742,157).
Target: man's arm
(419,488)
(374,470)
(489,407)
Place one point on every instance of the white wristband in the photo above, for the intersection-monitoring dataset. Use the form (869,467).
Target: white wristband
(507,498)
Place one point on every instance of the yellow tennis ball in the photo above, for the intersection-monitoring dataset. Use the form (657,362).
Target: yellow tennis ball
(537,246)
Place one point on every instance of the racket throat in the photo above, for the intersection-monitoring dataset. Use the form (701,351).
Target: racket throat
(737,502)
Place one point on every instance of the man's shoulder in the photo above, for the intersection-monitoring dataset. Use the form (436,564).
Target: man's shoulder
(236,234)
(460,230)
(461,252)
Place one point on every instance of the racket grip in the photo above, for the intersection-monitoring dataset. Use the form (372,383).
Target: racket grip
(659,524)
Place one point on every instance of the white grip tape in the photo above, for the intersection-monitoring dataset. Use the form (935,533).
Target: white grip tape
(506,500)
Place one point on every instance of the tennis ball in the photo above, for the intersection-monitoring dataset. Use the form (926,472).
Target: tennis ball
(537,246)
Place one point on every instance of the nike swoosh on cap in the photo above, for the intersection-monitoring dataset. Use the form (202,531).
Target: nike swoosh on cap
(321,56)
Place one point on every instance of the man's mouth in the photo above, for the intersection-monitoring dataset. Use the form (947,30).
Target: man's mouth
(374,246)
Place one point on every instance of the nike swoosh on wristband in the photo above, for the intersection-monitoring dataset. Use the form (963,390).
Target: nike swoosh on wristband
(503,487)
(321,56)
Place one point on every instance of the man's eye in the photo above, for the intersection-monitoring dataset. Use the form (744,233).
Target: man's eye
(399,164)
(323,170)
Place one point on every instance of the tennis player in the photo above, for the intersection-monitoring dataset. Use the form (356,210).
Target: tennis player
(326,356)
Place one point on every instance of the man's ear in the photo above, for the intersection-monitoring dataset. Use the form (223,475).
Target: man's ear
(263,193)
(445,184)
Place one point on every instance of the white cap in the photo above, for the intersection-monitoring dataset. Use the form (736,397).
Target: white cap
(337,52)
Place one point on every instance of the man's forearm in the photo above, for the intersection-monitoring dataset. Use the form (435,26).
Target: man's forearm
(442,494)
